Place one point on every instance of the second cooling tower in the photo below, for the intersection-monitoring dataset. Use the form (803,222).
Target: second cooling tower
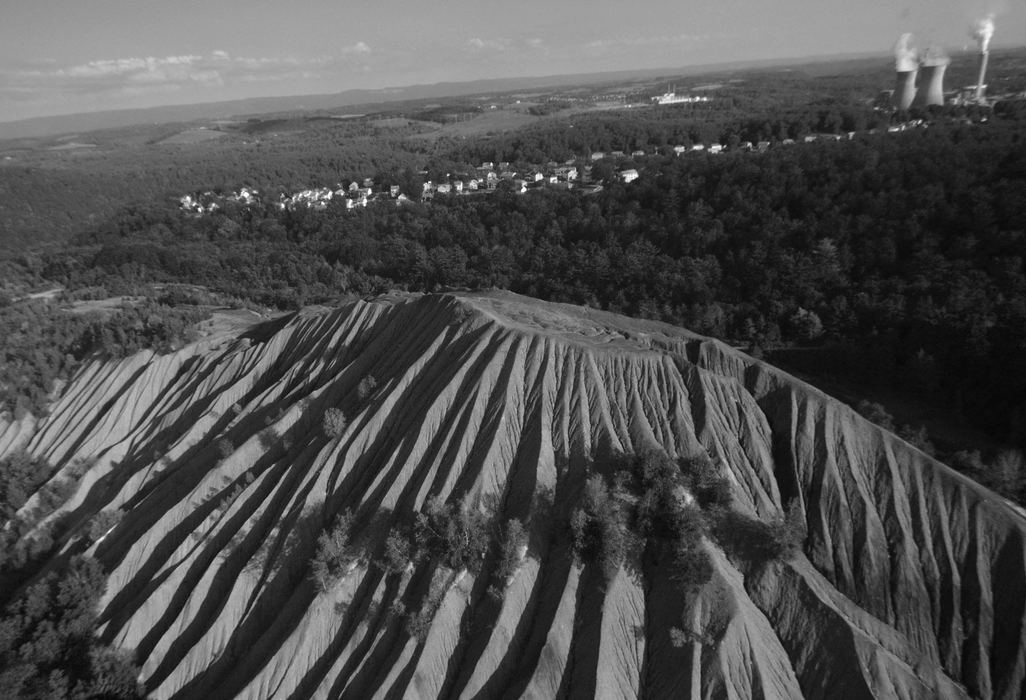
(931,84)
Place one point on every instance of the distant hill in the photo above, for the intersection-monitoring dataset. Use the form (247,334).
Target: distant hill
(63,124)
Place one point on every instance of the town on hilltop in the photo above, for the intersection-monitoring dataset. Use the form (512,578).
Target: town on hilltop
(577,172)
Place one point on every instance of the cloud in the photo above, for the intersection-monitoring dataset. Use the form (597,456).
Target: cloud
(48,84)
(479,44)
(640,41)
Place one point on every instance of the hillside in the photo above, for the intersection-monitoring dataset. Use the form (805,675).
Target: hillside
(908,583)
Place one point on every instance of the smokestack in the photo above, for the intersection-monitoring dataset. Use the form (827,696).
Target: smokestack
(906,65)
(980,85)
(983,32)
(931,77)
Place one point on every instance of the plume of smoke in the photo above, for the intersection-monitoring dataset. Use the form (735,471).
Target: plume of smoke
(906,57)
(982,32)
(935,56)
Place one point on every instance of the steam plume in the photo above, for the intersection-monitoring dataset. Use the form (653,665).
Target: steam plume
(983,30)
(906,58)
(935,56)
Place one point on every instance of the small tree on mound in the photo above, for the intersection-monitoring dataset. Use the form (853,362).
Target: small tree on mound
(708,482)
(760,541)
(225,448)
(366,387)
(397,554)
(102,523)
(334,553)
(514,537)
(334,423)
(457,536)
(597,528)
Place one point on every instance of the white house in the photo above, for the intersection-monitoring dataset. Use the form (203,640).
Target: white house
(628,175)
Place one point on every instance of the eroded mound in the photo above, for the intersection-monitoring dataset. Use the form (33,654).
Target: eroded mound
(226,470)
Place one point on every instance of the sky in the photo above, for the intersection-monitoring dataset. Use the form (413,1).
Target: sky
(69,56)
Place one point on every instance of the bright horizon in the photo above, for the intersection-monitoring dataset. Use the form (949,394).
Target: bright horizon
(70,57)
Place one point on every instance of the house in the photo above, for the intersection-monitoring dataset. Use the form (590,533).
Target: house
(628,175)
(810,139)
(353,186)
(746,146)
(368,182)
(698,147)
(635,154)
(393,191)
(473,184)
(598,155)
(519,186)
(444,188)
(677,150)
(490,177)
(533,176)
(716,148)
(458,186)
(551,180)
(487,165)
(504,165)
(566,172)
(246,196)
(618,154)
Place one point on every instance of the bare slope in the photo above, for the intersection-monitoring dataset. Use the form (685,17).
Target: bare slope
(910,584)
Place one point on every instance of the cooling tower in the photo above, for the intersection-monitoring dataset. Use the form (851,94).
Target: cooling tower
(931,84)
(905,89)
